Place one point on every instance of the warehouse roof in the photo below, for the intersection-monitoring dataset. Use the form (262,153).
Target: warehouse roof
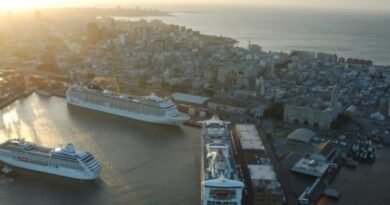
(301,135)
(193,99)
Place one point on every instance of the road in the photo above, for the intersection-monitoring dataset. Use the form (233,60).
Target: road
(279,169)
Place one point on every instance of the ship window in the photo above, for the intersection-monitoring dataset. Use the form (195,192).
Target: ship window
(88,158)
(222,194)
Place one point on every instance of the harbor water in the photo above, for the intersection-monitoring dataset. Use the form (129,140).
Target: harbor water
(367,184)
(142,163)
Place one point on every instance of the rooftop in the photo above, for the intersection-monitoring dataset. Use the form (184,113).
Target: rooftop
(325,149)
(264,178)
(263,172)
(310,167)
(252,145)
(193,99)
(230,102)
(249,137)
(301,135)
(246,128)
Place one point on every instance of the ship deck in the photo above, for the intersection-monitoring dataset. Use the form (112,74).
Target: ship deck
(21,145)
(227,141)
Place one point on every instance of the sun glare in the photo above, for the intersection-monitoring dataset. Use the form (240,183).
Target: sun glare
(12,5)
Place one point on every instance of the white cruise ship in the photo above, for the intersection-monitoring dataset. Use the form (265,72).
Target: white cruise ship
(151,108)
(220,184)
(62,161)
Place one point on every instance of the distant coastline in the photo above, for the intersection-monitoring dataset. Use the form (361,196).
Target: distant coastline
(94,11)
(128,12)
(287,30)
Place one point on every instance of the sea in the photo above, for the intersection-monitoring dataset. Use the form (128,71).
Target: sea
(349,34)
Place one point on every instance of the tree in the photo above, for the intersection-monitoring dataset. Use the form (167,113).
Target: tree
(274,111)
(341,120)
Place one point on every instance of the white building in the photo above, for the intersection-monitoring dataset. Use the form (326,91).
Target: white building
(311,167)
(377,116)
(249,137)
(316,117)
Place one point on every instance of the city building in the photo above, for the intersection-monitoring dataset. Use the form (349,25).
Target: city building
(191,104)
(377,116)
(239,75)
(260,87)
(230,106)
(192,100)
(265,185)
(325,152)
(303,54)
(302,135)
(316,116)
(311,167)
(327,58)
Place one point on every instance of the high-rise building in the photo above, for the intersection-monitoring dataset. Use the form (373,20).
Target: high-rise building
(327,58)
(239,75)
(261,87)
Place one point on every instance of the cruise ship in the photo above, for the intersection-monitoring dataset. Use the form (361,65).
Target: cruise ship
(150,108)
(220,184)
(62,161)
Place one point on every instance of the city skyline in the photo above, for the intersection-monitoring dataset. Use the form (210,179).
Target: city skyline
(360,5)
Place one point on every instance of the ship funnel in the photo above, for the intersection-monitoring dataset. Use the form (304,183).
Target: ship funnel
(70,148)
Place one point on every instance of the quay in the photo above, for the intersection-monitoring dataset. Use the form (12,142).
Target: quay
(11,99)
(262,184)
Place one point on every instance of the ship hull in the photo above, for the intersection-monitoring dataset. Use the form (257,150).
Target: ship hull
(60,171)
(136,116)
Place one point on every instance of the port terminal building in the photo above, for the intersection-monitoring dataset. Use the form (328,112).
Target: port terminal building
(265,186)
(191,104)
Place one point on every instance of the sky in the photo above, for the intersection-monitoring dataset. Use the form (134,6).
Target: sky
(369,5)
